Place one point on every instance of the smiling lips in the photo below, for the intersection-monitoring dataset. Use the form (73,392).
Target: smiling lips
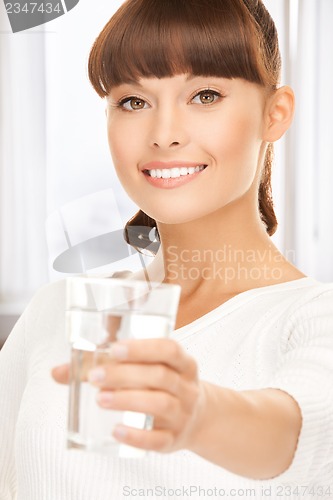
(171,174)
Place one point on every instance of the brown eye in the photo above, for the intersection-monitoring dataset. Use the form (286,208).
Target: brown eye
(132,103)
(206,97)
(137,103)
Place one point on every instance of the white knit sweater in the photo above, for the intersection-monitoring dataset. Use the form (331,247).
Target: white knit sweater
(278,336)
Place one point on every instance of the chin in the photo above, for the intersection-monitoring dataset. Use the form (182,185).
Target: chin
(173,217)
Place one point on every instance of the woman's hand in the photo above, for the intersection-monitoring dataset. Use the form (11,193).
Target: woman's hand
(152,376)
(222,425)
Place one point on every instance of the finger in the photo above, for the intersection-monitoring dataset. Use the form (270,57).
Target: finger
(136,376)
(61,374)
(154,351)
(155,403)
(80,365)
(154,440)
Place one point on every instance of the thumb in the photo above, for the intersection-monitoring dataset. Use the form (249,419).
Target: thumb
(61,374)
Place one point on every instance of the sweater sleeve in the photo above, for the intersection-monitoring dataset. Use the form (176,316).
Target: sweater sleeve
(14,375)
(12,384)
(305,372)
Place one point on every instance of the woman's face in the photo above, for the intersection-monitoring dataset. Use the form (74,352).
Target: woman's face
(166,127)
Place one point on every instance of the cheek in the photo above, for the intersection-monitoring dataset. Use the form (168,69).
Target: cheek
(234,144)
(124,145)
(237,144)
(126,148)
(116,146)
(238,138)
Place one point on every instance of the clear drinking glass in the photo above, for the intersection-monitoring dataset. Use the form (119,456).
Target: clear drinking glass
(100,311)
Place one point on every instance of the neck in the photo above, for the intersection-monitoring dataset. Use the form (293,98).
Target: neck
(222,251)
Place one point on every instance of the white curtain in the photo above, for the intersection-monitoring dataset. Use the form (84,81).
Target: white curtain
(303,175)
(23,254)
(311,231)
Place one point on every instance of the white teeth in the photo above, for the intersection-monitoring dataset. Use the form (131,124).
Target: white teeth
(174,172)
(166,173)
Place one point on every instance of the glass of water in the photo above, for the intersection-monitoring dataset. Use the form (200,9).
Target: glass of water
(99,312)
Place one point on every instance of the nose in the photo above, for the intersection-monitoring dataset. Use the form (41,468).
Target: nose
(168,129)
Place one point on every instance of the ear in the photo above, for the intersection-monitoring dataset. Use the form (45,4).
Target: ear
(279,113)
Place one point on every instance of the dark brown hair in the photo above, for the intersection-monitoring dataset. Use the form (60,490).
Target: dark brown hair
(160,38)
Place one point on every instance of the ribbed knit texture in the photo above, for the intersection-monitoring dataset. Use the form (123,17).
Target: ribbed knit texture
(280,336)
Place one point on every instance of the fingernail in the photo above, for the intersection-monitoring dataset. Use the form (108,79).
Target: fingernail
(104,398)
(119,351)
(120,432)
(97,375)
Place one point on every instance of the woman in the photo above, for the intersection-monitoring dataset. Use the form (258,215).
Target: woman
(242,393)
